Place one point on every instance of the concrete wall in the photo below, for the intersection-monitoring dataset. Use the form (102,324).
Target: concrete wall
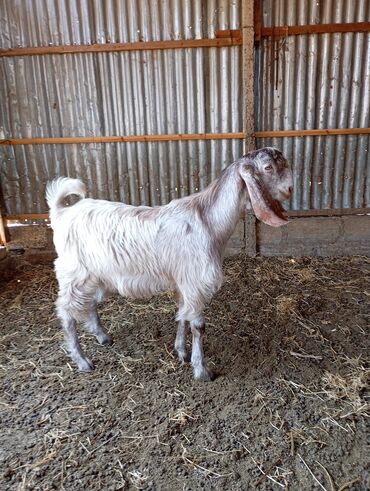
(312,236)
(316,236)
(35,242)
(4,259)
(30,237)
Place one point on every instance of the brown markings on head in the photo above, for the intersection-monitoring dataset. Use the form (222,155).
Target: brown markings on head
(270,153)
(263,188)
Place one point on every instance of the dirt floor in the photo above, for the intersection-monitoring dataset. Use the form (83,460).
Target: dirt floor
(288,339)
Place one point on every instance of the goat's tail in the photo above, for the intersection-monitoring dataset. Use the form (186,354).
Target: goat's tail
(59,189)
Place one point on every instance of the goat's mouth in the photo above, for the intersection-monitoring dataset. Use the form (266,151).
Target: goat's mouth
(284,196)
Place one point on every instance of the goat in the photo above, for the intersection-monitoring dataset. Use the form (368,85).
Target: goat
(105,246)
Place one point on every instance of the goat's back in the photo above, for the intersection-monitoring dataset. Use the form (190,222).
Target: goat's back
(122,244)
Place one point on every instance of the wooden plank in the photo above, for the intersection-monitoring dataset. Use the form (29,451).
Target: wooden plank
(122,139)
(257,21)
(289,214)
(250,234)
(337,212)
(248,26)
(3,230)
(318,132)
(282,31)
(183,137)
(230,33)
(27,216)
(4,234)
(247,70)
(232,39)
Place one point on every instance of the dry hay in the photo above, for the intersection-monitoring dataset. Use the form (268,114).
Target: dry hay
(289,409)
(350,388)
(286,306)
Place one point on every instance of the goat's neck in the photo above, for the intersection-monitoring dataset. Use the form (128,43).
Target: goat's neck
(222,202)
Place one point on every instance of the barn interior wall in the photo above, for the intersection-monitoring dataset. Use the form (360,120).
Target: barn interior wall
(317,81)
(124,93)
(328,171)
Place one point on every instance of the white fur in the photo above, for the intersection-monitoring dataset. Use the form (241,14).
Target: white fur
(138,251)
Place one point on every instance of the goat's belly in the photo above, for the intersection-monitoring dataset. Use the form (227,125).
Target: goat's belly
(142,286)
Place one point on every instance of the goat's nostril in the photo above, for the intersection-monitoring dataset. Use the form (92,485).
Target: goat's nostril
(290,189)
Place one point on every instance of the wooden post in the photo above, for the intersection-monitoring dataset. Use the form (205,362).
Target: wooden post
(250,234)
(4,236)
(248,73)
(257,21)
(248,7)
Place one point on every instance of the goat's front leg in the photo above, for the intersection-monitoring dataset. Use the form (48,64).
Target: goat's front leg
(94,326)
(180,344)
(200,370)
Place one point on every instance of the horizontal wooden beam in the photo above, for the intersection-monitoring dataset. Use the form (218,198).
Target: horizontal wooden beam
(318,132)
(224,39)
(27,216)
(182,137)
(230,33)
(230,37)
(282,31)
(122,139)
(327,212)
(289,214)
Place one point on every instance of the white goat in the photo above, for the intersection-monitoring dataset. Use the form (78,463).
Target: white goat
(138,251)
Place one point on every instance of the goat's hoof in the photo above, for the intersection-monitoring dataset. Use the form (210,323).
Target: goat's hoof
(85,365)
(104,339)
(204,374)
(184,357)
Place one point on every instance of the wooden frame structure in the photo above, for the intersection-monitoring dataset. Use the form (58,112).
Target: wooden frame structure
(252,22)
(290,214)
(183,137)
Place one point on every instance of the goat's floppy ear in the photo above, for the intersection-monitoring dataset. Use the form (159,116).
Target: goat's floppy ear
(266,209)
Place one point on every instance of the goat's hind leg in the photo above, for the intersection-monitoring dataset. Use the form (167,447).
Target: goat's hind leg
(71,307)
(73,344)
(93,325)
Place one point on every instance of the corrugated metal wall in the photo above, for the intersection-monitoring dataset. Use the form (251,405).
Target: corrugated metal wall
(318,81)
(126,93)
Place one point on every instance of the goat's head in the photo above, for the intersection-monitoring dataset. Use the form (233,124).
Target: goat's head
(268,178)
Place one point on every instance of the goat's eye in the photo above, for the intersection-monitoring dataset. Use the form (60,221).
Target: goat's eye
(268,167)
